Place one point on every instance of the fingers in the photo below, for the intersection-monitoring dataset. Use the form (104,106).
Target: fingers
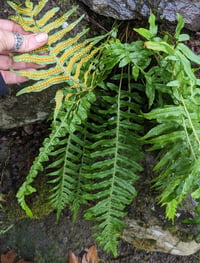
(8,63)
(30,42)
(11,26)
(33,41)
(26,43)
(12,78)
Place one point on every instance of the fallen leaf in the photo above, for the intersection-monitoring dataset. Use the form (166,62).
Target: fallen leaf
(8,257)
(72,258)
(90,256)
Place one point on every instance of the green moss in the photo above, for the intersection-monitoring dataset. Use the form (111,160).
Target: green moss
(38,203)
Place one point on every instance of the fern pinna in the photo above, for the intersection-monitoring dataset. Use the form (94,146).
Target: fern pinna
(86,156)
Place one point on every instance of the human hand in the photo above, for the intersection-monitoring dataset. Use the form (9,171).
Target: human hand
(28,42)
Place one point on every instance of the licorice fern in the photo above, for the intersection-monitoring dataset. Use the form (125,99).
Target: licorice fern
(65,59)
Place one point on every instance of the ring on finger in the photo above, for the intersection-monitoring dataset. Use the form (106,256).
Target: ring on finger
(19,39)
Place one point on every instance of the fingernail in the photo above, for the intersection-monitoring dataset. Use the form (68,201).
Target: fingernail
(41,37)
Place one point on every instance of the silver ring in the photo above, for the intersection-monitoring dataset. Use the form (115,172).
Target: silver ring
(18,41)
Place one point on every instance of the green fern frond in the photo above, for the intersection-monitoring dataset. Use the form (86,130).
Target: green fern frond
(72,113)
(112,141)
(68,158)
(65,172)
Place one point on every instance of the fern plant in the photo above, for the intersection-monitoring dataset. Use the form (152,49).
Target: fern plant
(176,133)
(172,91)
(94,151)
(83,161)
(65,59)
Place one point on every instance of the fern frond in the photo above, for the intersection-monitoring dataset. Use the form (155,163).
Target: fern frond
(58,100)
(68,159)
(41,74)
(47,59)
(67,43)
(64,57)
(41,85)
(60,34)
(67,171)
(113,171)
(59,21)
(38,8)
(21,10)
(61,146)
(26,23)
(46,17)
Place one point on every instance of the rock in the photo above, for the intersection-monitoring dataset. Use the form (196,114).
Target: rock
(25,109)
(190,10)
(130,9)
(122,10)
(155,238)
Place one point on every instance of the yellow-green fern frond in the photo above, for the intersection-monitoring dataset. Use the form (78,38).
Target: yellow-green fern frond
(41,74)
(65,57)
(59,21)
(78,56)
(19,9)
(58,100)
(18,19)
(71,51)
(47,17)
(26,23)
(41,85)
(86,74)
(43,59)
(39,7)
(68,43)
(59,35)
(81,62)
(42,50)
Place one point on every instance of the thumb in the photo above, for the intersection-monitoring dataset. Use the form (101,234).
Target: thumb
(29,42)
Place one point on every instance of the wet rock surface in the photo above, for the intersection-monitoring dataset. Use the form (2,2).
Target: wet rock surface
(25,109)
(167,10)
